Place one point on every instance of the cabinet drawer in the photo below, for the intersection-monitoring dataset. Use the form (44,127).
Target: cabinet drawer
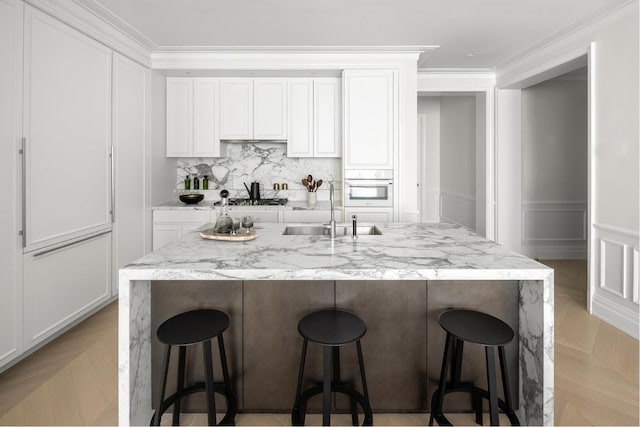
(172,215)
(314,216)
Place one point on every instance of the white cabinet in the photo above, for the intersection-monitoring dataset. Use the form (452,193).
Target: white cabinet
(259,215)
(375,215)
(311,216)
(327,122)
(169,225)
(192,117)
(370,118)
(128,134)
(10,210)
(314,118)
(67,125)
(64,283)
(236,108)
(270,108)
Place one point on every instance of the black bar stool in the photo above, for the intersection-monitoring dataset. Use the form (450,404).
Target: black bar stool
(332,329)
(488,331)
(184,330)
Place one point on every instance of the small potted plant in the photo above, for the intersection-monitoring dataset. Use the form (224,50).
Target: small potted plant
(312,186)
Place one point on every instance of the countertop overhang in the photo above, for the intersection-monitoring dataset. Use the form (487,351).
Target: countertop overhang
(434,251)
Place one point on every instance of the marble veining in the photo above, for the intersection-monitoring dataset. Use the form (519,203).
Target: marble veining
(266,163)
(403,252)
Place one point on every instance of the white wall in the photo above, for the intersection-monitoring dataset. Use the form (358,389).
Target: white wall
(554,169)
(481,164)
(614,263)
(429,158)
(458,159)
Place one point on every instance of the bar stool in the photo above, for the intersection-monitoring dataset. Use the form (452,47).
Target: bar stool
(488,331)
(184,330)
(332,329)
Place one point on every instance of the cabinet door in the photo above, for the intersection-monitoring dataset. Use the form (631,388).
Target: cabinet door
(206,138)
(179,116)
(375,215)
(327,124)
(236,108)
(67,125)
(165,233)
(10,133)
(129,132)
(259,215)
(311,216)
(64,283)
(270,108)
(370,118)
(300,141)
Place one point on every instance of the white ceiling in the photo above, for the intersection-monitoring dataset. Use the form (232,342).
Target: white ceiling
(491,30)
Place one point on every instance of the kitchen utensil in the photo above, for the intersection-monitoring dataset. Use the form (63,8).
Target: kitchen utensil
(254,191)
(318,184)
(305,182)
(192,198)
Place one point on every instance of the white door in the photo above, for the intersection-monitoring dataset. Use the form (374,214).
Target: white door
(300,140)
(10,209)
(67,124)
(327,112)
(129,138)
(64,283)
(206,125)
(370,118)
(270,108)
(179,117)
(236,108)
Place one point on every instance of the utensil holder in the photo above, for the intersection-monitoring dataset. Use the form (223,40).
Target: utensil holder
(312,199)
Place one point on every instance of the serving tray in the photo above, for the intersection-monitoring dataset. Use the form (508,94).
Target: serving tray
(242,236)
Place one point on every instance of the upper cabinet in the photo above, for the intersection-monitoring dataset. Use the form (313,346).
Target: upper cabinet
(370,112)
(314,118)
(270,108)
(236,108)
(192,117)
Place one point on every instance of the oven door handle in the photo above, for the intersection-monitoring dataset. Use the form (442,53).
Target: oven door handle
(367,183)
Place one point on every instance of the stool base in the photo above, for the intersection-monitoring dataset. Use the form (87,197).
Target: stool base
(299,411)
(477,394)
(229,416)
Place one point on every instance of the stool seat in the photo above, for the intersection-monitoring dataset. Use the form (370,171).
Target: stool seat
(193,327)
(332,327)
(476,327)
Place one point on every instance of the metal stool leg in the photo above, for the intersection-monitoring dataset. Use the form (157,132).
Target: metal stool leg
(443,381)
(491,385)
(180,385)
(209,384)
(456,369)
(296,404)
(505,379)
(326,387)
(368,414)
(231,397)
(165,368)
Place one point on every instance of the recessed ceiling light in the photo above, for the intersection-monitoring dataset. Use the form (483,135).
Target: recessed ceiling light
(471,54)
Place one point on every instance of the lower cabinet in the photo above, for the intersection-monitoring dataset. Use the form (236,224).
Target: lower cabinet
(62,284)
(377,215)
(170,225)
(259,215)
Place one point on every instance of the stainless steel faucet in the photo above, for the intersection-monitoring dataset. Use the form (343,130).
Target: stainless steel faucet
(332,221)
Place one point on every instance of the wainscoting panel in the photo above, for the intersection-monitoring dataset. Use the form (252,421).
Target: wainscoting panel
(554,229)
(458,208)
(616,264)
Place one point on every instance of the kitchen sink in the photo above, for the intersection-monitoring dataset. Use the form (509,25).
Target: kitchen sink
(321,230)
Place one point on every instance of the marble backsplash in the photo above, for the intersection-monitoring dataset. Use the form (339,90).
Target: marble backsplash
(266,163)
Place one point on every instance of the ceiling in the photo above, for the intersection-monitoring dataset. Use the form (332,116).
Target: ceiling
(470,33)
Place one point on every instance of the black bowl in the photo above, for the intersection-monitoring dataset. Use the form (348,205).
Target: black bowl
(191,199)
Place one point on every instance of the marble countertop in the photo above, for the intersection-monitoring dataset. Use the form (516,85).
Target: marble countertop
(434,251)
(208,204)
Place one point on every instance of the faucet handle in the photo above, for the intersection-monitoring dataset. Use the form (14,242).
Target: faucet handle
(354,225)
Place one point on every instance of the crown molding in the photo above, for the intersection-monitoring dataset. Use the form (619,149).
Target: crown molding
(611,9)
(98,27)
(457,72)
(283,57)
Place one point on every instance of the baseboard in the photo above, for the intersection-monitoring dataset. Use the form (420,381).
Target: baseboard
(547,251)
(616,314)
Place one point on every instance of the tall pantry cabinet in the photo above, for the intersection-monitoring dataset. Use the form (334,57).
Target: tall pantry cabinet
(72,148)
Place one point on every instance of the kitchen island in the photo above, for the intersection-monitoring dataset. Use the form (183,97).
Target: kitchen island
(398,282)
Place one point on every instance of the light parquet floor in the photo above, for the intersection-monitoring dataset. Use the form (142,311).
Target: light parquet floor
(73,380)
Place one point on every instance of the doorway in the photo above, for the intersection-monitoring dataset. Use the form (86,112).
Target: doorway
(452,160)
